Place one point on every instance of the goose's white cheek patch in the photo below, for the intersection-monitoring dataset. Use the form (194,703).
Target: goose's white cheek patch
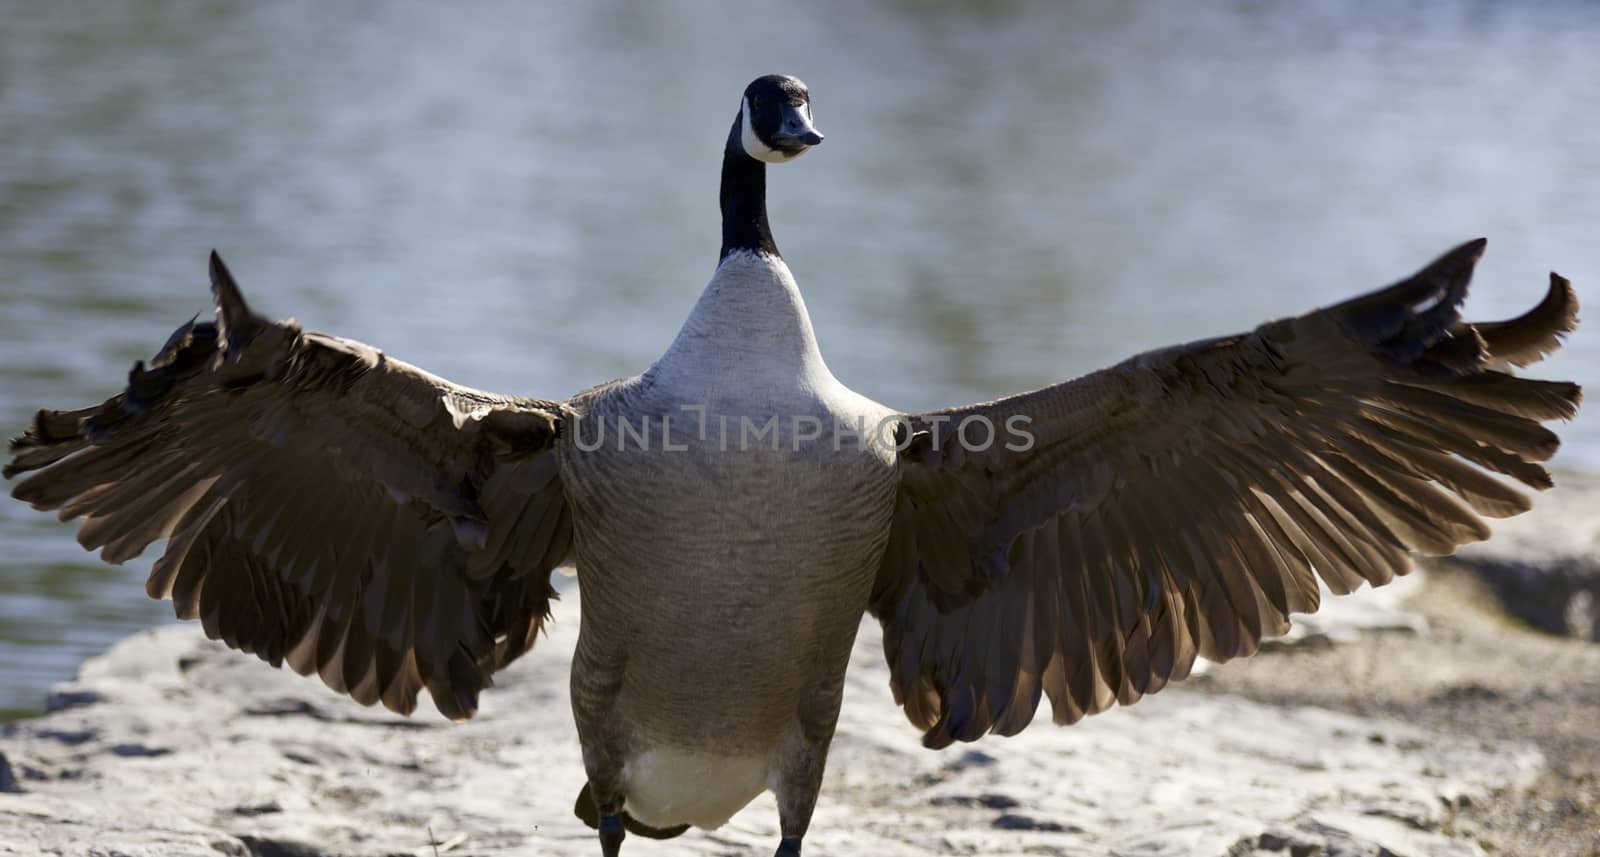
(752,144)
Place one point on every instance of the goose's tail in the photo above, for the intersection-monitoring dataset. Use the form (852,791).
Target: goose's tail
(586,810)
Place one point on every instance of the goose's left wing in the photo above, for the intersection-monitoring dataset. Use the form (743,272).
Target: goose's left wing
(1185,501)
(324,505)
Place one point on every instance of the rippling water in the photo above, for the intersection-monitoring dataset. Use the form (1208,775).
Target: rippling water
(525,200)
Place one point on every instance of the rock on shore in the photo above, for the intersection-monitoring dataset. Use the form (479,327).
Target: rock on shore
(173,745)
(1545,566)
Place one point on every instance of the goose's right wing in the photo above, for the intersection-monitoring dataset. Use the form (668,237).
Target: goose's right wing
(1185,501)
(323,504)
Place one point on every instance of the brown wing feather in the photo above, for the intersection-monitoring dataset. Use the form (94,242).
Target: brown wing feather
(1184,502)
(323,504)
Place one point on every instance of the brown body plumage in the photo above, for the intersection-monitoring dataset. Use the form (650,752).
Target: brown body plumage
(327,506)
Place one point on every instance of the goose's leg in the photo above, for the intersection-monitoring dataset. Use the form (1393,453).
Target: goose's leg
(803,759)
(611,835)
(797,797)
(596,684)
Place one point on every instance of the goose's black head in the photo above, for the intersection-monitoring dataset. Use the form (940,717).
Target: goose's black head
(774,123)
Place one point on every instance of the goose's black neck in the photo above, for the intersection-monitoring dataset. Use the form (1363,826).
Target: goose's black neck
(744,200)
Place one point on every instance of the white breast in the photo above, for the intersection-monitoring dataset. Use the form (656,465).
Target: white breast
(749,334)
(748,348)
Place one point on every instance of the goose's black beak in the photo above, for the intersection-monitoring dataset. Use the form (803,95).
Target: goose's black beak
(796,130)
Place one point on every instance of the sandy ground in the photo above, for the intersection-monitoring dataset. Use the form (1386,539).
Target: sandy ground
(1395,743)
(1475,673)
(1480,673)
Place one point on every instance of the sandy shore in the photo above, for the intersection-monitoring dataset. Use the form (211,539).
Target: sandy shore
(1482,673)
(170,744)
(1441,729)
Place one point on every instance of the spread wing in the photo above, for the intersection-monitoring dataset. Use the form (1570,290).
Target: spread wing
(1185,501)
(323,504)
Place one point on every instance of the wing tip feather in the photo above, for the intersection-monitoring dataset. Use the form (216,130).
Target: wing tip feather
(1537,333)
(237,322)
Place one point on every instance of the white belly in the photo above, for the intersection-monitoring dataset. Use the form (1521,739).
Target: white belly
(667,787)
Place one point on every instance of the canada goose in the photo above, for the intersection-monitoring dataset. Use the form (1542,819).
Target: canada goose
(734,510)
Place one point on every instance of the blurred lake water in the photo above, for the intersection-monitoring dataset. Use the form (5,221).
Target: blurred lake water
(522,197)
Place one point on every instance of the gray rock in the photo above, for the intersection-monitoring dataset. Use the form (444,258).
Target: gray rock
(1545,566)
(1015,821)
(245,760)
(989,801)
(67,698)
